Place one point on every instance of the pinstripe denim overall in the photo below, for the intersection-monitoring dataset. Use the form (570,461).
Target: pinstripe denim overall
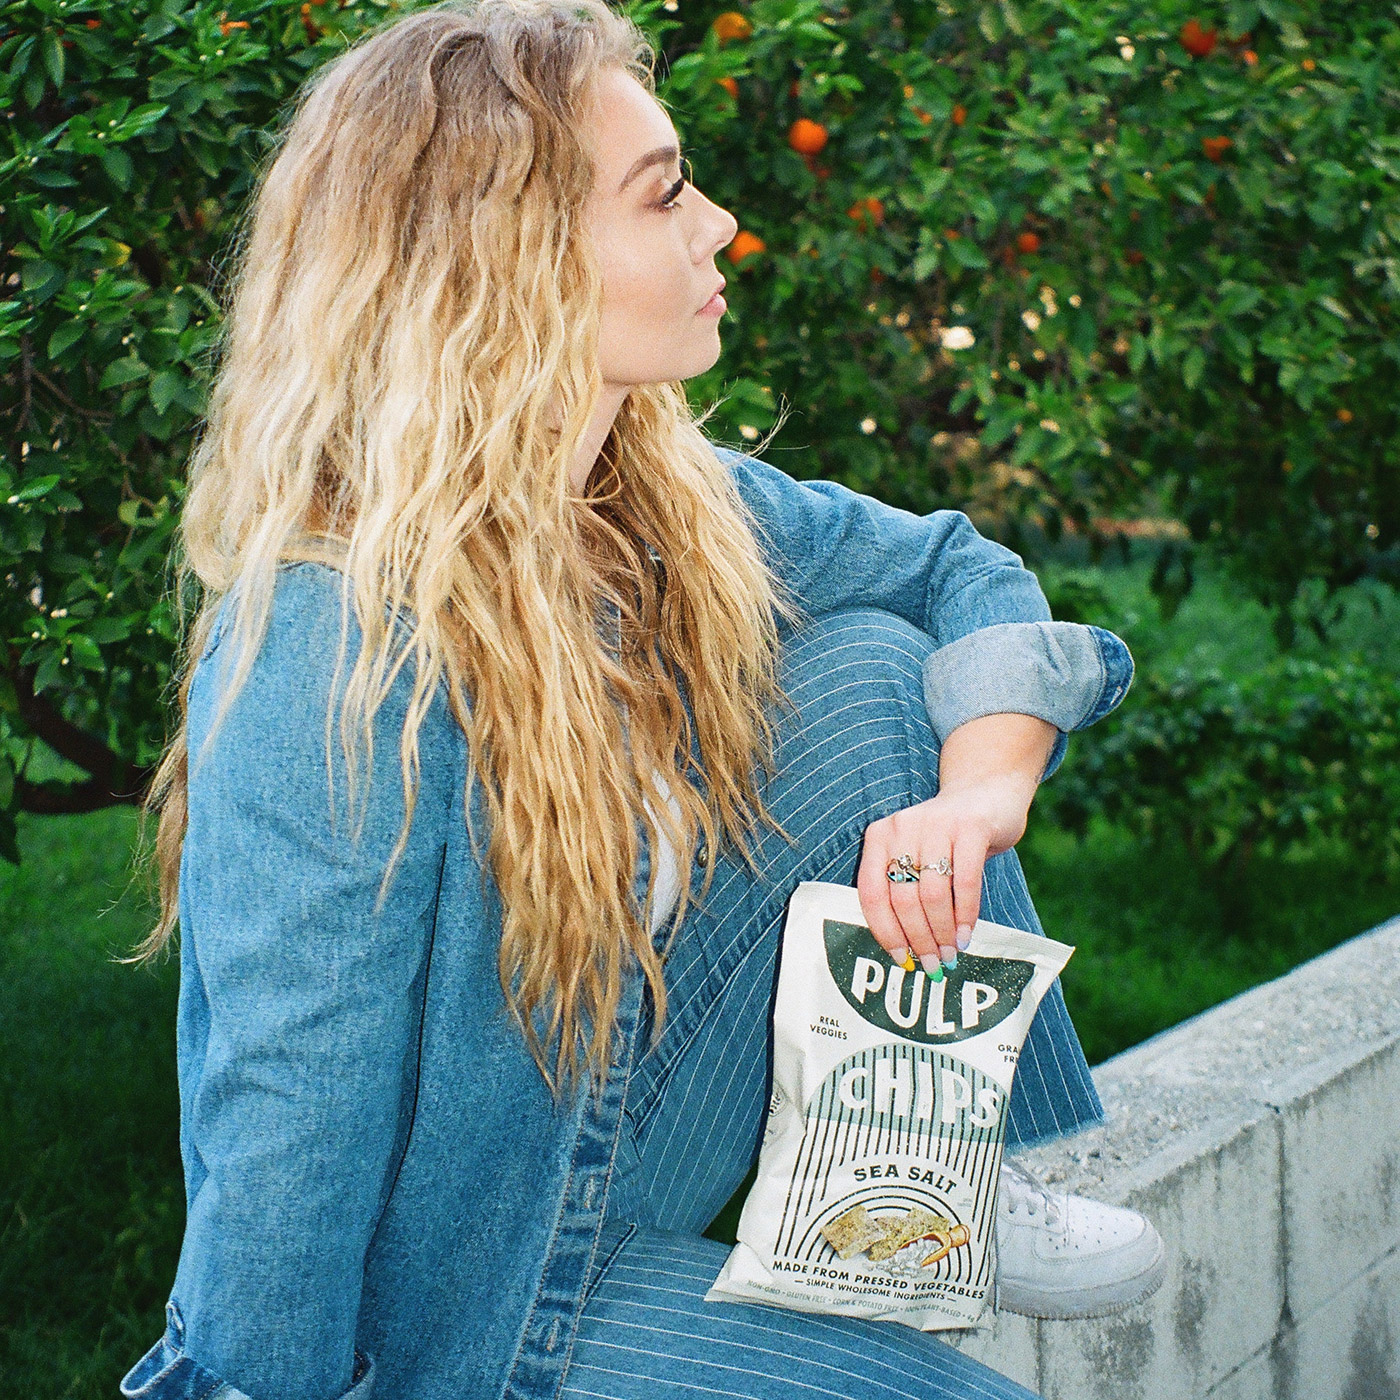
(383,1201)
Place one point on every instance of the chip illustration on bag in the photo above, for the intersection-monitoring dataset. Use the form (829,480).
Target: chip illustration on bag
(876,1188)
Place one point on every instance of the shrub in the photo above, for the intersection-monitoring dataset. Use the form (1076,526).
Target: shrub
(1298,753)
(985,249)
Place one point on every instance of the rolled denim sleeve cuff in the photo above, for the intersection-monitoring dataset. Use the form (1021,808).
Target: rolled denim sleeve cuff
(169,1372)
(1069,673)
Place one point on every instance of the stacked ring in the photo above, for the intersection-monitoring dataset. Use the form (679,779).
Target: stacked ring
(902,869)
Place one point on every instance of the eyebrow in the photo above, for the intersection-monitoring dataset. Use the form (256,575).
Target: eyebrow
(662,155)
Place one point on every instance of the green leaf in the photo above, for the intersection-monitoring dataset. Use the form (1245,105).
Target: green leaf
(65,335)
(1193,366)
(165,387)
(123,371)
(51,51)
(40,486)
(966,253)
(118,165)
(48,673)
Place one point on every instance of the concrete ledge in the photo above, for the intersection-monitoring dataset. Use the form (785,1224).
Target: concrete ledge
(1263,1140)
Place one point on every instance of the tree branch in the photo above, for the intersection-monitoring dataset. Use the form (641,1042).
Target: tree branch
(53,799)
(113,779)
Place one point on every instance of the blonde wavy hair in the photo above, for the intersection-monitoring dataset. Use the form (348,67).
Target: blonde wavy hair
(411,291)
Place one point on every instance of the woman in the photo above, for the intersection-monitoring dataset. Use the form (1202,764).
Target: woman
(466,1066)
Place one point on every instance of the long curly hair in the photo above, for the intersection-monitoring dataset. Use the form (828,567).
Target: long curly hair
(411,294)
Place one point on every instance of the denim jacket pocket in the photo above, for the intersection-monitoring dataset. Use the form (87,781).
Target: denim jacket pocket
(167,1372)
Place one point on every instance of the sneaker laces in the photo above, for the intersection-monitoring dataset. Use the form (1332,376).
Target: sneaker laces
(1022,1188)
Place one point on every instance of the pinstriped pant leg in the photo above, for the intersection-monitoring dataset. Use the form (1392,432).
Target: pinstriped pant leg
(860,748)
(648,1334)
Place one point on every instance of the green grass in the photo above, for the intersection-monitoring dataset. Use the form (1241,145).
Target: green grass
(92,1202)
(91,1195)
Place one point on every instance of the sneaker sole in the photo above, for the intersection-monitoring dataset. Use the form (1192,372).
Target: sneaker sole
(1101,1302)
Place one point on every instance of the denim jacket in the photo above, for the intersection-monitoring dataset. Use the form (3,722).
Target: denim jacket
(383,1199)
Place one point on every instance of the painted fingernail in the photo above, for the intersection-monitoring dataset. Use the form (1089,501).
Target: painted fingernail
(932,966)
(937,974)
(904,958)
(964,937)
(950,957)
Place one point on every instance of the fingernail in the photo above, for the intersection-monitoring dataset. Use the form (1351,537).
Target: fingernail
(904,958)
(932,966)
(964,937)
(937,974)
(950,957)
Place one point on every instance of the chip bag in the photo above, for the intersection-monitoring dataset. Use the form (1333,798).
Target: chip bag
(877,1176)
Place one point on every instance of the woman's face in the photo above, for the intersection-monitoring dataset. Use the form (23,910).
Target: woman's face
(657,262)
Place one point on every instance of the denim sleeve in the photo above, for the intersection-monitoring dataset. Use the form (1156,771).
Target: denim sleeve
(1069,673)
(300,1006)
(997,649)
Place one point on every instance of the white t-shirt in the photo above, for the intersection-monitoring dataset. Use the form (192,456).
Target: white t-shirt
(668,871)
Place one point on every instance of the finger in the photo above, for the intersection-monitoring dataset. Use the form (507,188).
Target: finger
(937,895)
(924,907)
(909,910)
(873,887)
(969,858)
(900,835)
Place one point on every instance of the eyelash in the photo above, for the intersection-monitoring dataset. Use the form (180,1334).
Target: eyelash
(674,193)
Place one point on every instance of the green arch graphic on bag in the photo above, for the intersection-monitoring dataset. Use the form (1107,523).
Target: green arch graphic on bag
(876,1187)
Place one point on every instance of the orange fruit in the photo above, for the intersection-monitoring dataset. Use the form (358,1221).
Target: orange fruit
(866,210)
(1215,147)
(1309,64)
(1028,242)
(1345,415)
(1196,41)
(1133,256)
(729,85)
(1250,57)
(908,91)
(959,114)
(951,234)
(806,136)
(731,25)
(743,244)
(923,116)
(876,275)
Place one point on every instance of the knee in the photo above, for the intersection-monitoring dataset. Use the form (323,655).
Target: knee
(856,650)
(856,679)
(863,637)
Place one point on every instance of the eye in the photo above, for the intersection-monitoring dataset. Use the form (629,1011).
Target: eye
(674,193)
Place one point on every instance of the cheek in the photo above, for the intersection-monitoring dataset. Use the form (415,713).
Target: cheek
(646,312)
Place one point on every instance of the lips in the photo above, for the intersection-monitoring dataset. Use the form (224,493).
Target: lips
(716,292)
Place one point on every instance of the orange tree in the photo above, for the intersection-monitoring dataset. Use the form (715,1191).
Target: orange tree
(1123,254)
(1045,260)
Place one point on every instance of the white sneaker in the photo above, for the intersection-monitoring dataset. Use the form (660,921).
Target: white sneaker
(1068,1256)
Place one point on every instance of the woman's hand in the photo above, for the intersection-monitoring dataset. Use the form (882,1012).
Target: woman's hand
(989,770)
